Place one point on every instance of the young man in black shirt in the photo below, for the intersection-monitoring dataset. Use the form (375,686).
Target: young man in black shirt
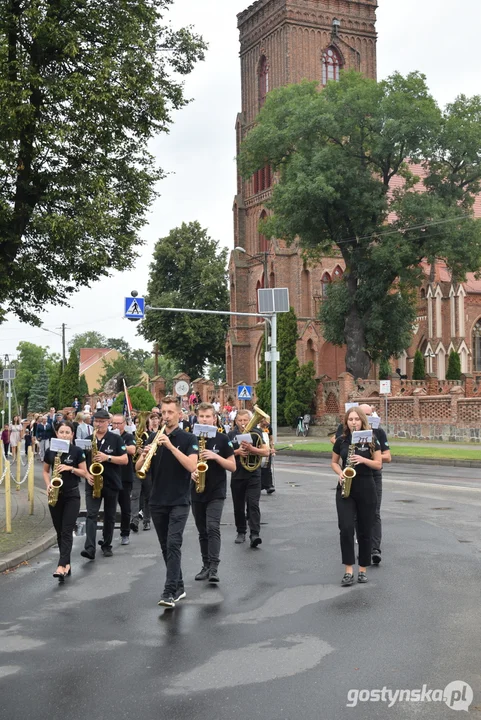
(127,474)
(172,466)
(246,485)
(207,506)
(112,454)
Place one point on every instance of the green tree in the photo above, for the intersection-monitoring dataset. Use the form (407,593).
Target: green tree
(300,392)
(384,369)
(54,387)
(69,383)
(345,188)
(216,373)
(126,368)
(30,359)
(82,93)
(140,398)
(454,366)
(419,369)
(83,388)
(38,398)
(188,270)
(89,339)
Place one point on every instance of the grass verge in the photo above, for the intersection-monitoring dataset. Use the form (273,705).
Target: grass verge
(447,453)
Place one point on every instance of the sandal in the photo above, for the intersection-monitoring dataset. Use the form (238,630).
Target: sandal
(348,579)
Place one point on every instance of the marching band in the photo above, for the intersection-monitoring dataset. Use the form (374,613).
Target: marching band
(173,462)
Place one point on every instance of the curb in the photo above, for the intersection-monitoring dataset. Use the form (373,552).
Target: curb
(28,552)
(408,460)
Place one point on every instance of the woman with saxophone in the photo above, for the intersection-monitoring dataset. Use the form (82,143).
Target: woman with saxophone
(68,468)
(360,503)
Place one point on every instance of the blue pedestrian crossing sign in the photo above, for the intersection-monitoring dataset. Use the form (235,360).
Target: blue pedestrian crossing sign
(134,308)
(244,392)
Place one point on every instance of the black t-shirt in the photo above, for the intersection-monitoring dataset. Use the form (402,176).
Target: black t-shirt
(341,447)
(74,457)
(216,476)
(170,480)
(127,471)
(240,472)
(111,444)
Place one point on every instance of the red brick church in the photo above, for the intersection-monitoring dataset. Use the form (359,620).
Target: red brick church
(282,42)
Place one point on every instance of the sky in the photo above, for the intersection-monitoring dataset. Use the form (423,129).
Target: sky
(198,153)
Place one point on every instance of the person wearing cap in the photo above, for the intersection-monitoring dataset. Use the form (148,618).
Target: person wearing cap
(381,436)
(112,454)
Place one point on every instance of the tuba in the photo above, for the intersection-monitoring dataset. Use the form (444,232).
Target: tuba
(142,473)
(96,469)
(202,466)
(251,463)
(55,483)
(349,473)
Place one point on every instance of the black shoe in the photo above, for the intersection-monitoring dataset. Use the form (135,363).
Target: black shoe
(100,542)
(362,577)
(167,601)
(59,575)
(203,574)
(271,490)
(376,557)
(146,524)
(255,541)
(213,574)
(241,537)
(107,552)
(180,594)
(348,579)
(134,527)
(86,554)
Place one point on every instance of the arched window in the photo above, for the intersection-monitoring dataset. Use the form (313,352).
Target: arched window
(263,241)
(325,280)
(423,294)
(331,65)
(263,80)
(305,293)
(337,274)
(477,347)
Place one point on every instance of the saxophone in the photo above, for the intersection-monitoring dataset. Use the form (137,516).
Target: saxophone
(55,483)
(141,435)
(349,473)
(141,474)
(96,469)
(202,466)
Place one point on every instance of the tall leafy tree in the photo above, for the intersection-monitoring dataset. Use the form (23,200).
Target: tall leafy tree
(84,87)
(69,383)
(83,388)
(125,367)
(140,398)
(301,390)
(89,339)
(38,398)
(419,368)
(454,366)
(188,270)
(346,187)
(30,359)
(54,387)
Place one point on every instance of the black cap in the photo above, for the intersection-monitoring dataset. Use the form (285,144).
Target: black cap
(101,415)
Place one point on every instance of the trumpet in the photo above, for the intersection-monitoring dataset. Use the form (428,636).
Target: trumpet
(202,467)
(55,483)
(142,473)
(96,469)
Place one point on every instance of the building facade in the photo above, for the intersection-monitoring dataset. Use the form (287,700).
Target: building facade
(283,42)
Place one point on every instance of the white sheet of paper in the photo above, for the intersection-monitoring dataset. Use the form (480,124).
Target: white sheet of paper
(361,436)
(247,437)
(83,444)
(208,431)
(57,445)
(374,422)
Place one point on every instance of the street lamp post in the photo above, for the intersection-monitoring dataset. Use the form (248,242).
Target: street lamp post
(263,260)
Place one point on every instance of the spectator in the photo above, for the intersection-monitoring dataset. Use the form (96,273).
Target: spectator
(40,437)
(15,436)
(6,440)
(98,405)
(76,404)
(84,429)
(28,439)
(49,428)
(87,408)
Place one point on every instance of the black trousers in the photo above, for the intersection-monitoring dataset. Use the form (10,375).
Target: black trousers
(377,527)
(141,498)
(169,522)
(64,516)
(125,510)
(266,476)
(109,497)
(246,493)
(359,508)
(207,516)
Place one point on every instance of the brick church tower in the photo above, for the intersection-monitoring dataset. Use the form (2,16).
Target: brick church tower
(282,42)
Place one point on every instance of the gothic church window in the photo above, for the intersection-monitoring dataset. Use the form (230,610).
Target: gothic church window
(263,241)
(477,347)
(331,65)
(325,280)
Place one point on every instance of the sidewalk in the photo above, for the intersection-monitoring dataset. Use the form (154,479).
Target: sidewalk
(30,533)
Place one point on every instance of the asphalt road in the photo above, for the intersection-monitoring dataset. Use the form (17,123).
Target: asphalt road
(279,639)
